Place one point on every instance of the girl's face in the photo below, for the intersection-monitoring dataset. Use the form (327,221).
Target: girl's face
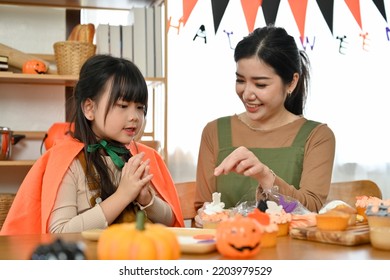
(260,89)
(123,122)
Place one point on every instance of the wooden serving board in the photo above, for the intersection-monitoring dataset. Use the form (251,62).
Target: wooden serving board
(354,235)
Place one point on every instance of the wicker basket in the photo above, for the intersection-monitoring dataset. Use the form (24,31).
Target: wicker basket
(71,55)
(6,200)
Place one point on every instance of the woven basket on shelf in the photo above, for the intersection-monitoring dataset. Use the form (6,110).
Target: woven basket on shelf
(6,200)
(71,55)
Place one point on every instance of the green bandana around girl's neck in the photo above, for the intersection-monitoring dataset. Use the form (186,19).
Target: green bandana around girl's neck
(111,150)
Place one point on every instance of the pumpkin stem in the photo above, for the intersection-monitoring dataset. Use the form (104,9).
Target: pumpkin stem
(140,220)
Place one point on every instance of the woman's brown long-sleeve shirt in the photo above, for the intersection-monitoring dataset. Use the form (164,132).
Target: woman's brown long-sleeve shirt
(317,165)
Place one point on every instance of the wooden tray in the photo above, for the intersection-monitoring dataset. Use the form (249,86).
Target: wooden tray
(191,240)
(354,235)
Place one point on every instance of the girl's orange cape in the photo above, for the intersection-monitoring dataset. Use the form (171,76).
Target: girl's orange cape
(35,198)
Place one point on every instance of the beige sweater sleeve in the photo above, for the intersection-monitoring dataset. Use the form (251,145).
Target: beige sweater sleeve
(72,211)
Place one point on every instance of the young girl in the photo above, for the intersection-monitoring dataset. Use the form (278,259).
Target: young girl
(100,175)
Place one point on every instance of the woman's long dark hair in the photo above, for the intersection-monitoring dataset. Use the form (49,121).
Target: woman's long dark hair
(127,84)
(276,48)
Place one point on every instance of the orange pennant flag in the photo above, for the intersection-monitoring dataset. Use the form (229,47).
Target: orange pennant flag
(188,6)
(298,8)
(354,7)
(250,8)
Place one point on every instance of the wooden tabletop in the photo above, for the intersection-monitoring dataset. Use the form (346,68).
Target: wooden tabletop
(287,248)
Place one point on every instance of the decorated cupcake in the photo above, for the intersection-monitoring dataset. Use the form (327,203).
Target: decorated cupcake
(214,212)
(336,215)
(378,217)
(270,230)
(333,220)
(279,216)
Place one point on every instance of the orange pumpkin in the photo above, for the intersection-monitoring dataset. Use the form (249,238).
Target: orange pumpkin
(238,237)
(34,66)
(138,241)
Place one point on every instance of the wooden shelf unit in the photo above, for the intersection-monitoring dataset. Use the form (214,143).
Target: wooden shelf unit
(53,79)
(44,79)
(8,163)
(69,81)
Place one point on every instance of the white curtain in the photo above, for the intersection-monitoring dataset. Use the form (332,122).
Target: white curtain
(349,91)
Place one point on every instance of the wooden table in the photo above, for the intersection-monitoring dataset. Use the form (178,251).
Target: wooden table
(21,247)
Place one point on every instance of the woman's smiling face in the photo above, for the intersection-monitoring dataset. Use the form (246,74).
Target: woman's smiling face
(260,89)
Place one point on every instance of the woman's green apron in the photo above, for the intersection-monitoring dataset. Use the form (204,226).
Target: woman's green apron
(286,162)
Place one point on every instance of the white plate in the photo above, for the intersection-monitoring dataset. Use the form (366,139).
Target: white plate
(195,240)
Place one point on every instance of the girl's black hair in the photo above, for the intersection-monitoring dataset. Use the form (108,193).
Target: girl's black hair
(275,47)
(127,83)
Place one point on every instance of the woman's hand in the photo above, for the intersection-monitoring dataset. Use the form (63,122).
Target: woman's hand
(243,161)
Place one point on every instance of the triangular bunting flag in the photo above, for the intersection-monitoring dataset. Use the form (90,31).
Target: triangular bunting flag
(250,8)
(218,7)
(354,7)
(381,7)
(298,8)
(270,10)
(188,6)
(326,7)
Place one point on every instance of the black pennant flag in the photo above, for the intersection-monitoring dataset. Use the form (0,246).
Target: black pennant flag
(326,7)
(218,7)
(270,10)
(381,7)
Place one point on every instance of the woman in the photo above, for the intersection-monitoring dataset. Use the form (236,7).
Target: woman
(270,143)
(101,175)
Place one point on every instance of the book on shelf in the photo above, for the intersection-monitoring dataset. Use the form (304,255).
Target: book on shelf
(115,40)
(102,39)
(139,42)
(142,42)
(150,43)
(127,40)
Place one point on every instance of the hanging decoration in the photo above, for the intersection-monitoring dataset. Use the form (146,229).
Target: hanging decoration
(298,8)
(354,7)
(188,6)
(326,7)
(270,10)
(201,33)
(250,8)
(218,7)
(381,7)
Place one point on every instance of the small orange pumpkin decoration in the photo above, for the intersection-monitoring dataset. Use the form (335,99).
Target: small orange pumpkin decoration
(138,241)
(34,66)
(239,237)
